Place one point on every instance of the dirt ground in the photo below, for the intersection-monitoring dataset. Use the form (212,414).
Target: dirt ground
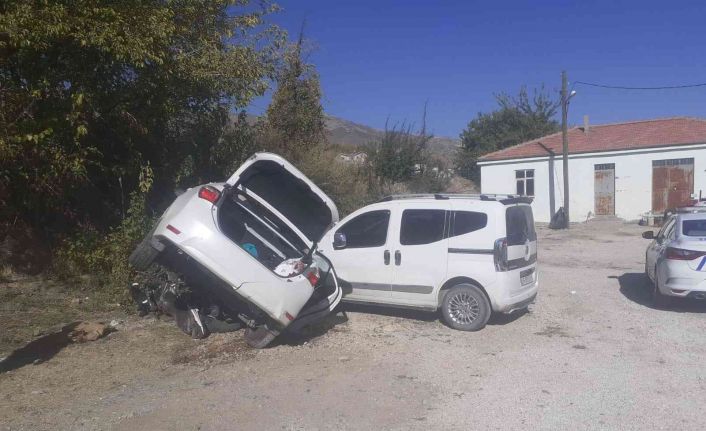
(591,354)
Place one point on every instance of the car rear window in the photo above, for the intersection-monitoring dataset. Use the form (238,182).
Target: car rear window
(694,227)
(519,224)
(422,226)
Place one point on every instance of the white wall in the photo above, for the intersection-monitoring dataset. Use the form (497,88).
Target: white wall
(633,179)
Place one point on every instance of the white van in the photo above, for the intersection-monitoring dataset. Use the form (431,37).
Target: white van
(468,255)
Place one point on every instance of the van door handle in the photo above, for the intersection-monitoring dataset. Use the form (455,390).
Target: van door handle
(387,257)
(398,257)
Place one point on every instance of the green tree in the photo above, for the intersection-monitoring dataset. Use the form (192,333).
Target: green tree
(518,119)
(295,117)
(92,91)
(399,153)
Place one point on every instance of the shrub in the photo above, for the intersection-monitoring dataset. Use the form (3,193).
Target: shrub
(349,185)
(105,257)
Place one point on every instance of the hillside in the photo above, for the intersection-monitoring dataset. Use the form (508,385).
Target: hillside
(347,133)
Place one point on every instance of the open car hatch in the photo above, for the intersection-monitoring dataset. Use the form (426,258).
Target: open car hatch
(288,193)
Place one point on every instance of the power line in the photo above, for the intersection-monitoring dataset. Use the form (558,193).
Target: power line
(619,87)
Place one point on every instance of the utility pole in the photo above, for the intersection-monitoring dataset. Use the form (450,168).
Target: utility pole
(565,141)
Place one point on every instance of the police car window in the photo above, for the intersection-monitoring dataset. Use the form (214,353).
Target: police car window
(671,231)
(694,227)
(665,228)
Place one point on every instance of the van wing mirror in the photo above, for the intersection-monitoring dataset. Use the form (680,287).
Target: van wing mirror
(648,234)
(339,241)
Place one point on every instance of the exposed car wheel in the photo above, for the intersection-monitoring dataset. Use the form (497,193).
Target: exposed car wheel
(144,254)
(260,337)
(659,299)
(466,308)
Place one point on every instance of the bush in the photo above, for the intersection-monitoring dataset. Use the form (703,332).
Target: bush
(105,257)
(428,182)
(349,185)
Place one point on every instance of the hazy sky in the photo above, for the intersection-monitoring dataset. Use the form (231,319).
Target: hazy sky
(380,59)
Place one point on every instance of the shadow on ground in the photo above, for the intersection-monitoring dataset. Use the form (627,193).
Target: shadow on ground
(636,287)
(315,330)
(425,316)
(39,350)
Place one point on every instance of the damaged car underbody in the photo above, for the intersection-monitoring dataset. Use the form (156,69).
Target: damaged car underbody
(241,254)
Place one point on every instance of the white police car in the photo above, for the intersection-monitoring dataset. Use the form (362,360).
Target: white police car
(675,260)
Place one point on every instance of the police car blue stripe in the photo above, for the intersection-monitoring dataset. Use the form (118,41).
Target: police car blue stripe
(701,265)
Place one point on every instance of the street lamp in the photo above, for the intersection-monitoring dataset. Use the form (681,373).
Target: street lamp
(565,98)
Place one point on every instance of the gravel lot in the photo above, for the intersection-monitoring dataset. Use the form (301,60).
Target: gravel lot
(591,354)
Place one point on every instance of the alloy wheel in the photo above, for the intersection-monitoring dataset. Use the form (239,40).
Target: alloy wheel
(463,308)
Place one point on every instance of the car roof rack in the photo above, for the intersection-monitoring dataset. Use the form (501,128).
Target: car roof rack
(691,210)
(505,199)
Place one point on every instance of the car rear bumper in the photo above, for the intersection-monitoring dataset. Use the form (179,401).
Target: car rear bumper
(509,294)
(517,300)
(677,279)
(520,305)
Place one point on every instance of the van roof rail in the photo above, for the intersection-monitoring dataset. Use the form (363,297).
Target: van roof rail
(505,199)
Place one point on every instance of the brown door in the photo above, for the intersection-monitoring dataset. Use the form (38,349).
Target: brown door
(604,189)
(672,183)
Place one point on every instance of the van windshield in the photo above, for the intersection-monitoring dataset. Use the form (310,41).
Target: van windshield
(519,225)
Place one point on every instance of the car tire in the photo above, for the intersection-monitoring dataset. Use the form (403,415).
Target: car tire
(260,337)
(466,308)
(659,300)
(144,254)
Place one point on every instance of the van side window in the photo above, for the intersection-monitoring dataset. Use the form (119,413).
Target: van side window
(367,230)
(468,221)
(422,226)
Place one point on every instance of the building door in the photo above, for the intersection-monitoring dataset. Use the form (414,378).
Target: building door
(604,189)
(672,183)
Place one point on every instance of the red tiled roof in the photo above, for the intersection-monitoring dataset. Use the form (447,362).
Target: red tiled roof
(612,137)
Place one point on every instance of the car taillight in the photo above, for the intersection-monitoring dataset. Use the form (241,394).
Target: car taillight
(500,254)
(173,229)
(681,254)
(209,193)
(313,276)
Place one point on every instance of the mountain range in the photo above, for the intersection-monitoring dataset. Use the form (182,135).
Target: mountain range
(347,133)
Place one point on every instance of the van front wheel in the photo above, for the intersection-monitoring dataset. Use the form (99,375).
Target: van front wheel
(466,308)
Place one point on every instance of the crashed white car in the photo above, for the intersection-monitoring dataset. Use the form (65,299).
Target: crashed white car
(250,243)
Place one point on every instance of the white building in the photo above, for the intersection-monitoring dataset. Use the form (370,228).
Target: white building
(358,158)
(624,169)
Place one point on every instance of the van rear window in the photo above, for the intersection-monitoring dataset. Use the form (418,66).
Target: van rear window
(519,224)
(694,227)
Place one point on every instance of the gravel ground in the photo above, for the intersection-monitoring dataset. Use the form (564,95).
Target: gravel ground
(591,354)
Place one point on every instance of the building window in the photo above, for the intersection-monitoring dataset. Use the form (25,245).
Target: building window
(525,182)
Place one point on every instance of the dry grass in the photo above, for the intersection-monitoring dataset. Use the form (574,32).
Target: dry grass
(31,306)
